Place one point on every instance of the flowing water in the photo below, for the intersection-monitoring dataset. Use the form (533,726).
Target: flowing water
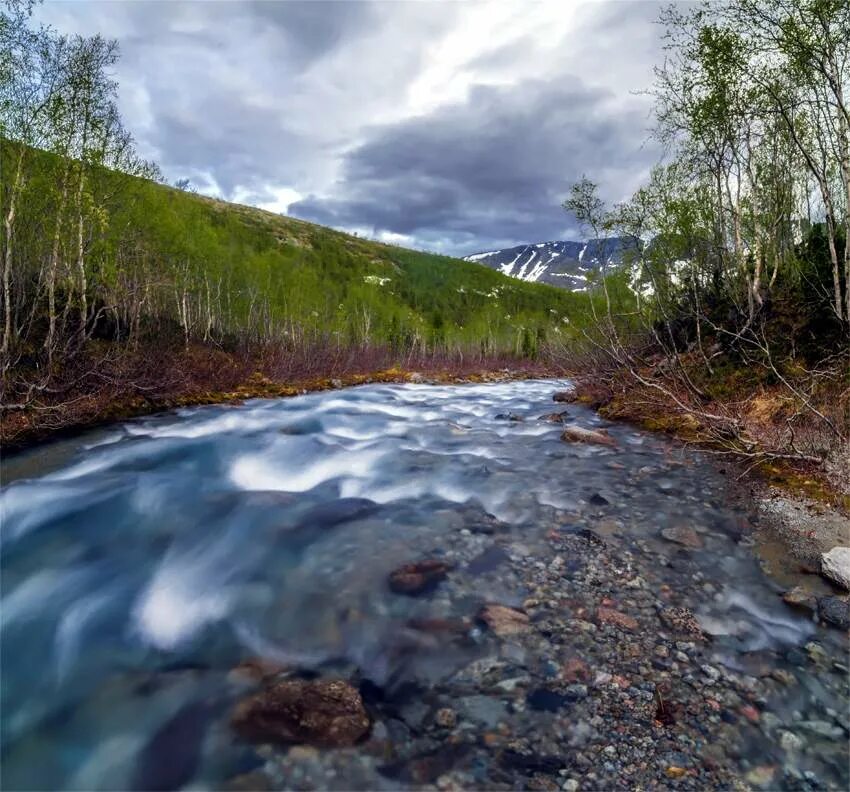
(142,563)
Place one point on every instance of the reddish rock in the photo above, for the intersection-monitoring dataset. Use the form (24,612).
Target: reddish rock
(681,620)
(419,577)
(323,712)
(576,670)
(750,713)
(565,396)
(503,620)
(611,616)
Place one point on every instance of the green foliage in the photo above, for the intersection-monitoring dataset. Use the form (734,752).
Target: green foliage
(246,273)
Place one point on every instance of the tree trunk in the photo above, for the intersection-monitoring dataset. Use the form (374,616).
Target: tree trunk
(7,254)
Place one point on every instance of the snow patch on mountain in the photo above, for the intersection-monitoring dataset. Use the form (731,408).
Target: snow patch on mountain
(560,263)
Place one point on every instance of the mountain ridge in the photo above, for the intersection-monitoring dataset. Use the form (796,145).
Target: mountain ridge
(564,263)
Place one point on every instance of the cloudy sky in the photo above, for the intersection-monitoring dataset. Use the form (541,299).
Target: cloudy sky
(450,126)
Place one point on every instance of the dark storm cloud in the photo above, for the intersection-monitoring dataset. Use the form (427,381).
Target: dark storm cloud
(490,171)
(312,28)
(370,109)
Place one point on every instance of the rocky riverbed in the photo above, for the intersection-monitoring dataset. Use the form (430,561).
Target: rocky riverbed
(405,587)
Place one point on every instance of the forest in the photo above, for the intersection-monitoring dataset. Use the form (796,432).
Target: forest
(742,336)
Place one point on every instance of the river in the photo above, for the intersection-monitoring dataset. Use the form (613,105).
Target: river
(150,569)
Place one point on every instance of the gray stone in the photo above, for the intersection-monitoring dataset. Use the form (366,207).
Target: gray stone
(835,611)
(835,565)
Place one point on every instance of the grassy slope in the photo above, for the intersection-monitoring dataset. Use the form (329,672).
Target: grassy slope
(325,281)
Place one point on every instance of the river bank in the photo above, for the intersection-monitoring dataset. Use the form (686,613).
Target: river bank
(463,599)
(100,393)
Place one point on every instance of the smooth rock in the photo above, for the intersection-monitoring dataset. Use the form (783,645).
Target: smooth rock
(682,535)
(503,620)
(565,396)
(319,712)
(835,565)
(578,434)
(798,597)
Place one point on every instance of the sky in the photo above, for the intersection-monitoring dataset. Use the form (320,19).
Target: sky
(449,126)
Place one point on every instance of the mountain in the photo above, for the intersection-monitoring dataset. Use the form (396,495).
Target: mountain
(562,263)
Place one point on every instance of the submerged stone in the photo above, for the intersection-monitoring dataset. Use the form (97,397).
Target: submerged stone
(680,534)
(321,712)
(503,620)
(420,577)
(834,611)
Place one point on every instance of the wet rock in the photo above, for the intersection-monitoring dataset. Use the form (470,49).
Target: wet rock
(822,729)
(510,417)
(598,500)
(565,396)
(614,617)
(801,599)
(576,670)
(790,742)
(761,777)
(681,620)
(578,434)
(445,718)
(320,712)
(491,558)
(555,417)
(683,535)
(420,577)
(835,611)
(338,511)
(835,566)
(425,768)
(482,709)
(503,620)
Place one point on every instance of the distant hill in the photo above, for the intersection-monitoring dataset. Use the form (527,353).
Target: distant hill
(561,263)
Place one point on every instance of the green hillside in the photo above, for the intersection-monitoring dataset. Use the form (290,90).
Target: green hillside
(158,259)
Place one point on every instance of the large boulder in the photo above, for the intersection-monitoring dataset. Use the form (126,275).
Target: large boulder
(327,713)
(835,565)
(578,434)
